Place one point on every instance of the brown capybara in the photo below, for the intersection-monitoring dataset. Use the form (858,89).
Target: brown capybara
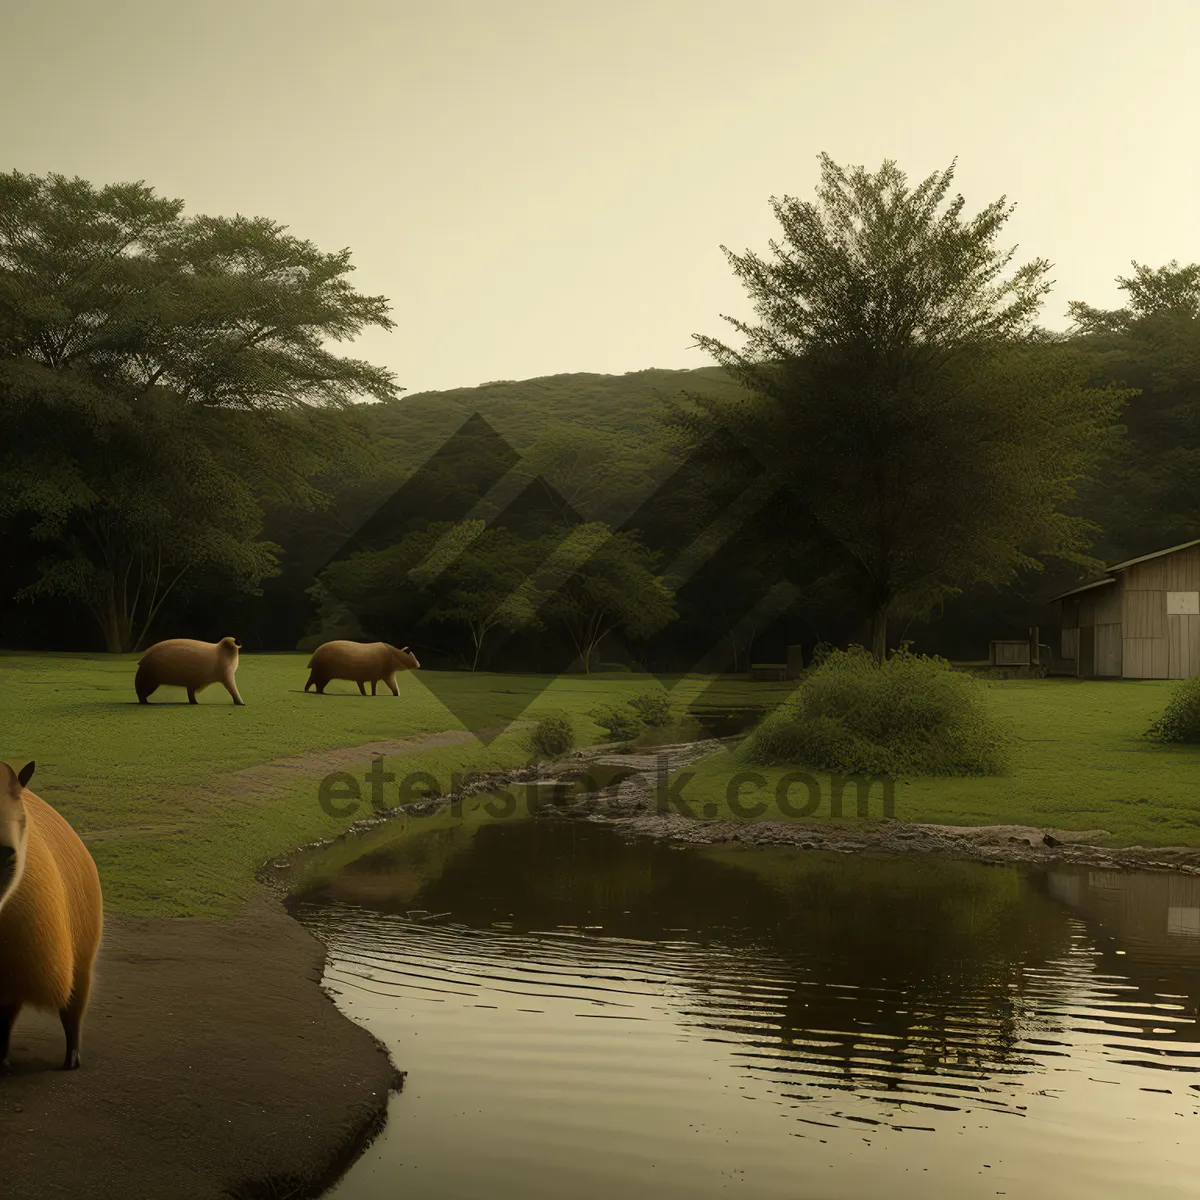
(182,662)
(51,913)
(360,662)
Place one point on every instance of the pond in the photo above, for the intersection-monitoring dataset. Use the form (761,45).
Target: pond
(582,1016)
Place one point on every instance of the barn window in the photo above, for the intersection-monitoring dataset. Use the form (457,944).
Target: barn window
(1183,604)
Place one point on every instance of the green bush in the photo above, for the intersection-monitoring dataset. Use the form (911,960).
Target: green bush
(653,708)
(1181,720)
(552,736)
(912,715)
(821,651)
(619,721)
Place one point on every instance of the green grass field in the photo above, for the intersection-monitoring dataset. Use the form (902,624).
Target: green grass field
(1079,762)
(147,787)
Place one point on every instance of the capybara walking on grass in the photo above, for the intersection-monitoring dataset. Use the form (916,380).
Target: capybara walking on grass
(182,662)
(361,663)
(51,913)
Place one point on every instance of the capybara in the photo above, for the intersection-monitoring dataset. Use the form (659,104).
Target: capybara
(360,662)
(182,662)
(51,913)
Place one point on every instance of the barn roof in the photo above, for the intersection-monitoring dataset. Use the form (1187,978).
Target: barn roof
(1087,587)
(1129,562)
(1157,554)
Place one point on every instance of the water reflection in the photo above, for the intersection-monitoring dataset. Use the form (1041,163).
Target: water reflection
(626,997)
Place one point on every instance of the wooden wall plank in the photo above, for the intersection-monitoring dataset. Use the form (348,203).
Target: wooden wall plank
(1145,614)
(1108,650)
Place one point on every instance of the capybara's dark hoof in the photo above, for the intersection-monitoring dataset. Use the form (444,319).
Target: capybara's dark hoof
(72,1062)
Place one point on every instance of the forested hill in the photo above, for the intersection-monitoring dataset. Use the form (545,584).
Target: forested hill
(623,407)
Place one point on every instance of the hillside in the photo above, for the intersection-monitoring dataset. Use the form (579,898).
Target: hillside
(621,406)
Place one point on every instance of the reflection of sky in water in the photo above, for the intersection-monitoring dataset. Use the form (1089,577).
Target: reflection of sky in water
(1051,1050)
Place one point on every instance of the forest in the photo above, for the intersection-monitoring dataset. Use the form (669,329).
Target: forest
(898,452)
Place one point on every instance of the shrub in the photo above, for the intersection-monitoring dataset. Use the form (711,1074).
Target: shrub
(552,736)
(1181,720)
(821,651)
(653,708)
(912,715)
(619,721)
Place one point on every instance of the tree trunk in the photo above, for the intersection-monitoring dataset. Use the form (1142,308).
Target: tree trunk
(879,624)
(117,626)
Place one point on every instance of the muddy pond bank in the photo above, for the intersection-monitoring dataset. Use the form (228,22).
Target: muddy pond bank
(214,1065)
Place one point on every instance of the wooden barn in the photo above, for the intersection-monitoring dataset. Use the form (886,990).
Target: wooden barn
(1142,621)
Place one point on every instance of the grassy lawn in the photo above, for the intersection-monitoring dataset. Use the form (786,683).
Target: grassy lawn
(145,787)
(1079,762)
(141,784)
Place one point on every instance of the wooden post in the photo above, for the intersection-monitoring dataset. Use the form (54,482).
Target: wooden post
(795,661)
(1035,650)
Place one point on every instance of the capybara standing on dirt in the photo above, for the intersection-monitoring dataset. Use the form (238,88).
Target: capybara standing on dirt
(51,913)
(360,662)
(184,663)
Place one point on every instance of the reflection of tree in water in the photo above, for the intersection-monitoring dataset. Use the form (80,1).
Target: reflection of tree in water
(859,970)
(907,966)
(387,878)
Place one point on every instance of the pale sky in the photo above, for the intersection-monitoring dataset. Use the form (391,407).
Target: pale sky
(541,186)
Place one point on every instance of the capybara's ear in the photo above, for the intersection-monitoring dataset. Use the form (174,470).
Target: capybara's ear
(25,774)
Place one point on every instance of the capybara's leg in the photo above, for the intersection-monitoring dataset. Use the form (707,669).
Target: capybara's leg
(144,687)
(231,688)
(8,1018)
(362,688)
(391,682)
(192,696)
(72,1022)
(374,685)
(311,680)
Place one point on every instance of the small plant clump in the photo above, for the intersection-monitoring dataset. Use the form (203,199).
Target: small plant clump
(552,736)
(619,721)
(1181,720)
(821,651)
(653,708)
(911,715)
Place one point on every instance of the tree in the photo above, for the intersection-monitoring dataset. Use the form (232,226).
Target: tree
(922,433)
(457,573)
(475,575)
(163,378)
(164,509)
(594,581)
(1151,482)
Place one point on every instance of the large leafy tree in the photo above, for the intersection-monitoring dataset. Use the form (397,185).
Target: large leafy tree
(1150,495)
(923,435)
(162,379)
(592,582)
